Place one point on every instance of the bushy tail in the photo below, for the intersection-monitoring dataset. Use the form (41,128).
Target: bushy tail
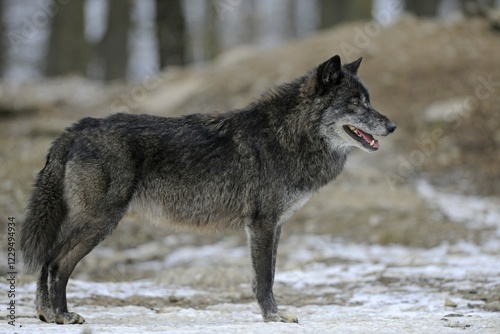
(46,211)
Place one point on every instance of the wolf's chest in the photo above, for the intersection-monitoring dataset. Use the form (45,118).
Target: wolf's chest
(293,204)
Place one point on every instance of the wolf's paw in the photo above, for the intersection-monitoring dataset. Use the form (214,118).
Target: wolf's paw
(45,314)
(66,318)
(281,316)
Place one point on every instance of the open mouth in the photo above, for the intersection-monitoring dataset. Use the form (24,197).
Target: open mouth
(364,138)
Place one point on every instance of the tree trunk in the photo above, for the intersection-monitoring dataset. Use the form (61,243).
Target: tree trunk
(426,8)
(211,38)
(2,41)
(291,24)
(336,11)
(68,51)
(113,48)
(170,28)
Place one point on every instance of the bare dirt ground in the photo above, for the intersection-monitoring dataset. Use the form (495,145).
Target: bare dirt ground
(405,240)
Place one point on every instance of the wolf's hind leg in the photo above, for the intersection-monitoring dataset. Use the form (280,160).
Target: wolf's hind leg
(60,271)
(43,307)
(97,201)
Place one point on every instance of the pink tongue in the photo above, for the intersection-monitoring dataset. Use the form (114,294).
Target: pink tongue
(368,138)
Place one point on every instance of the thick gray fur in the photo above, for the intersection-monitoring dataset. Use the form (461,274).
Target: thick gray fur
(246,168)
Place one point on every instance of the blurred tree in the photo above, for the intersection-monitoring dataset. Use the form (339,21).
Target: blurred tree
(170,29)
(113,47)
(68,52)
(427,8)
(332,12)
(2,40)
(290,23)
(478,7)
(211,40)
(249,7)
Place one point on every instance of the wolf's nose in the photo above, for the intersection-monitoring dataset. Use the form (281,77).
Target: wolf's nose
(391,127)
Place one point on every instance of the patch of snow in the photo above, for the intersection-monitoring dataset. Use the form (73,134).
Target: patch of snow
(476,212)
(122,290)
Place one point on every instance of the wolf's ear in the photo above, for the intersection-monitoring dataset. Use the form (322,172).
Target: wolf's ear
(329,73)
(354,66)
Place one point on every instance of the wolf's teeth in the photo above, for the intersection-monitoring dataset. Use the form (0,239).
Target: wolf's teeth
(352,127)
(372,143)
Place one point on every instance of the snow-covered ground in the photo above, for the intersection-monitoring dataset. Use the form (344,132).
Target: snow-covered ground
(333,286)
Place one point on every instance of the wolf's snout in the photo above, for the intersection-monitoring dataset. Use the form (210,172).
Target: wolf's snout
(391,127)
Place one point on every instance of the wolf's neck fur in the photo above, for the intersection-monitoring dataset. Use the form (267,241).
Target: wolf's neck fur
(289,113)
(294,118)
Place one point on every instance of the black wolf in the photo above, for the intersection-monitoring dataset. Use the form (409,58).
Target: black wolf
(248,168)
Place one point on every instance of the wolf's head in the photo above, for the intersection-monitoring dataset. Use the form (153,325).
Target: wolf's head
(348,118)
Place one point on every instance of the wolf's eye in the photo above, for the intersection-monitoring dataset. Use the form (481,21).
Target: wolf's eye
(355,102)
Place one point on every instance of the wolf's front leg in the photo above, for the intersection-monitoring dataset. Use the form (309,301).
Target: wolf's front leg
(263,241)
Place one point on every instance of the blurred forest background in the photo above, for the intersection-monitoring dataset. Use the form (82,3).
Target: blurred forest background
(120,39)
(432,67)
